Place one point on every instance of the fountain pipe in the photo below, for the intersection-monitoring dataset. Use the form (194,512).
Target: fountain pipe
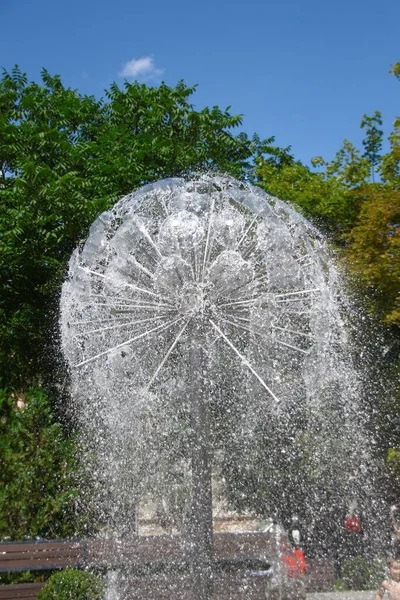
(201,530)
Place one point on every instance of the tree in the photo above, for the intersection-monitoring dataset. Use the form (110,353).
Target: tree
(389,167)
(359,215)
(48,196)
(348,166)
(323,197)
(373,140)
(67,157)
(374,250)
(362,219)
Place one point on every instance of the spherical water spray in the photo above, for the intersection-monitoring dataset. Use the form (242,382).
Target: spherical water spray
(194,310)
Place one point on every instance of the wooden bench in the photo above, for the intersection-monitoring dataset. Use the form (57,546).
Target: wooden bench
(37,556)
(41,555)
(23,591)
(159,564)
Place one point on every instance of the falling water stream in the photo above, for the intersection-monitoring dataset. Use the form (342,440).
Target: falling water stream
(197,316)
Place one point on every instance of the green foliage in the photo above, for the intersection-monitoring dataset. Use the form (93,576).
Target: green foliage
(389,166)
(363,220)
(360,573)
(349,166)
(65,158)
(373,139)
(151,133)
(48,198)
(37,491)
(324,199)
(395,70)
(71,584)
(360,215)
(374,250)
(393,462)
(22,577)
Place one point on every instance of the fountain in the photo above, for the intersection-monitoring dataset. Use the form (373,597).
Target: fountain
(201,321)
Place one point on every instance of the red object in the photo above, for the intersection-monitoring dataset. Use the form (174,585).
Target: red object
(301,559)
(293,559)
(352,524)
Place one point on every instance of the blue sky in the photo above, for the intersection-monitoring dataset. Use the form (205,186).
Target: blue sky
(305,71)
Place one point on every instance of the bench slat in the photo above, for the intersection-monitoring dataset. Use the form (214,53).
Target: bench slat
(41,546)
(41,555)
(154,548)
(37,565)
(17,591)
(142,549)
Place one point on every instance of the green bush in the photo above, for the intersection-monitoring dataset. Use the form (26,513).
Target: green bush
(71,584)
(360,573)
(22,577)
(38,472)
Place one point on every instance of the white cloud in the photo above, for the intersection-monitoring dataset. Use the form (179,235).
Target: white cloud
(143,67)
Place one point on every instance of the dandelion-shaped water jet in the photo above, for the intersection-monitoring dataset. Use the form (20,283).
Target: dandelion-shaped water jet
(187,301)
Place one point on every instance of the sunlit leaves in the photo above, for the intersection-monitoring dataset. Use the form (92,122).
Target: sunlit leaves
(323,199)
(374,251)
(373,139)
(65,158)
(395,70)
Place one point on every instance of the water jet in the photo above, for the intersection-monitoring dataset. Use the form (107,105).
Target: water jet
(197,316)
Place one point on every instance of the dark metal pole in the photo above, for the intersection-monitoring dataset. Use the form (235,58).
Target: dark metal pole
(201,531)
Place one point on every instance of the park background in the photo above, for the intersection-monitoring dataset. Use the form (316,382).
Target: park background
(301,99)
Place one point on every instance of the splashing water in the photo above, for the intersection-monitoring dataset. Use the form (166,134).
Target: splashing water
(201,322)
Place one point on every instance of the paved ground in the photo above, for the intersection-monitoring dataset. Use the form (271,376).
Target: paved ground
(341,596)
